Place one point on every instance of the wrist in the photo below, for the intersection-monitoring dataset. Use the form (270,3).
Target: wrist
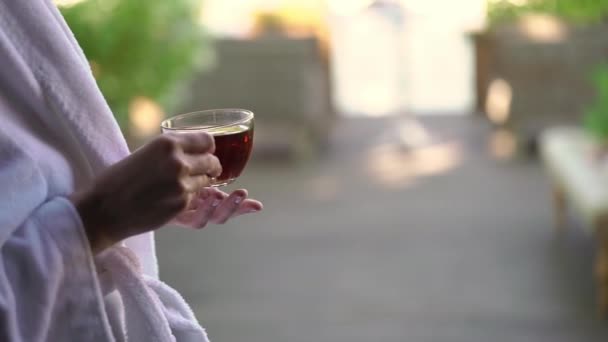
(88,206)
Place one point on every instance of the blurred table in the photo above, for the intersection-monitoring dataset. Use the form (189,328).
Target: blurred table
(580,179)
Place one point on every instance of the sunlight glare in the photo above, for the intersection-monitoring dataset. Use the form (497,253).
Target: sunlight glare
(543,28)
(145,116)
(503,144)
(395,168)
(498,102)
(412,133)
(67,3)
(347,7)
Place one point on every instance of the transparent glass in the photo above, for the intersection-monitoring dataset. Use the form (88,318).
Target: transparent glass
(232,130)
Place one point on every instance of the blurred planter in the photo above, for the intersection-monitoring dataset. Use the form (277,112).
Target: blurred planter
(284,81)
(543,67)
(596,116)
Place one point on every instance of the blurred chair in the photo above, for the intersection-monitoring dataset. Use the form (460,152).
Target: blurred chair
(284,81)
(549,77)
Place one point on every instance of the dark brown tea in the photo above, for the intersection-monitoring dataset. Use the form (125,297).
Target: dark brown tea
(232,147)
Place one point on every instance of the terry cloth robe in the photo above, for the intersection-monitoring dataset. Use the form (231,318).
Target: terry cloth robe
(56,134)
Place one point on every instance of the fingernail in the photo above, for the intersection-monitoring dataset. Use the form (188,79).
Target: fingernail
(254,210)
(216,202)
(238,199)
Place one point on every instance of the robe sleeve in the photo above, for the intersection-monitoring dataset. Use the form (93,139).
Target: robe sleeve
(48,285)
(48,282)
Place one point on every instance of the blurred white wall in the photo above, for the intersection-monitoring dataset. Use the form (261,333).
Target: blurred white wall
(235,17)
(367,64)
(412,57)
(441,65)
(420,61)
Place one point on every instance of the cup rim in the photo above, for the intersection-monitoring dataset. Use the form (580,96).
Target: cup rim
(248,116)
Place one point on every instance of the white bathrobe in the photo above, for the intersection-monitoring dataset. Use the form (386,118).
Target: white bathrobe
(56,134)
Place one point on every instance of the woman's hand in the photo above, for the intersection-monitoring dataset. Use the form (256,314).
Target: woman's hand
(150,187)
(214,206)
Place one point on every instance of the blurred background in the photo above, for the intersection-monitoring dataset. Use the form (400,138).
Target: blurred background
(398,152)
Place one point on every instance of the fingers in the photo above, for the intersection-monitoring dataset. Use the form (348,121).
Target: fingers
(206,209)
(188,159)
(201,208)
(195,142)
(235,205)
(229,206)
(215,206)
(185,218)
(203,164)
(194,184)
(248,206)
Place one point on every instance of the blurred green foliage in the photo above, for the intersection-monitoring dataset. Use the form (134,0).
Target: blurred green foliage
(139,48)
(596,117)
(575,11)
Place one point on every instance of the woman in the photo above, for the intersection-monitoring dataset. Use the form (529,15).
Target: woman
(76,209)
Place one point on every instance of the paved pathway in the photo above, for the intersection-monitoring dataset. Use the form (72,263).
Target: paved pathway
(371,245)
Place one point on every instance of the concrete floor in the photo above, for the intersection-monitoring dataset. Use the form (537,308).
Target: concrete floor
(371,244)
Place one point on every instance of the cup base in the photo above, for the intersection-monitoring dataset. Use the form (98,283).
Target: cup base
(217,183)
